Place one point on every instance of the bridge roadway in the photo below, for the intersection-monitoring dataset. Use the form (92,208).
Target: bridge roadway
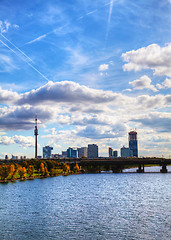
(118,164)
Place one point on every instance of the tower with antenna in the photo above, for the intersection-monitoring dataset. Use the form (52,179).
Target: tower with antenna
(36,134)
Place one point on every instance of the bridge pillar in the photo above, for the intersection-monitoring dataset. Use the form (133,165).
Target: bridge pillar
(140,170)
(164,168)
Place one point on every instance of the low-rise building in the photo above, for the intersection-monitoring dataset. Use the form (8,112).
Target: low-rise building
(126,152)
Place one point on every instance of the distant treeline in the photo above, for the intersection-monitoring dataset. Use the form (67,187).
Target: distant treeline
(30,169)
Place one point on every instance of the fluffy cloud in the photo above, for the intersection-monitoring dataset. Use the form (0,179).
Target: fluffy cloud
(7,96)
(96,132)
(67,91)
(19,118)
(160,122)
(151,57)
(165,84)
(103,67)
(16,139)
(143,82)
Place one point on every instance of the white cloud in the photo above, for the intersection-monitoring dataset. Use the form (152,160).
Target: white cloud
(67,91)
(160,122)
(103,67)
(151,57)
(165,84)
(4,26)
(17,139)
(7,96)
(142,83)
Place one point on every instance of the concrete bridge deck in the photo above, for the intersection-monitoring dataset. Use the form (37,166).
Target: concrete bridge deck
(118,164)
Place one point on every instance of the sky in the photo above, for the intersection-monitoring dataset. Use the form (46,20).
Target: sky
(91,70)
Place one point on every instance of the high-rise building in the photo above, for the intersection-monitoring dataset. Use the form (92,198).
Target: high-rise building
(47,152)
(126,152)
(110,152)
(115,154)
(82,152)
(92,151)
(133,143)
(72,153)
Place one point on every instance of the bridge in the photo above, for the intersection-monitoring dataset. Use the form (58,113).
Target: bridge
(118,164)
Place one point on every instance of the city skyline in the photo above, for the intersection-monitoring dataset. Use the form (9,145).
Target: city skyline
(91,71)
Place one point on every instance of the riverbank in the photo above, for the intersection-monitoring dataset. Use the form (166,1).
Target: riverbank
(32,169)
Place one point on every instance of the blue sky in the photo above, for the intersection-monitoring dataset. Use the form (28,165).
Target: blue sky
(91,70)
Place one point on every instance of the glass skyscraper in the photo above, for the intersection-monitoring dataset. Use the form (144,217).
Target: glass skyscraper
(133,143)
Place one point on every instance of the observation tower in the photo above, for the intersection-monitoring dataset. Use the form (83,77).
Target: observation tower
(36,134)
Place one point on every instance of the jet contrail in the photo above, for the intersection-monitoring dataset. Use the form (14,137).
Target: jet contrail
(16,47)
(25,60)
(109,19)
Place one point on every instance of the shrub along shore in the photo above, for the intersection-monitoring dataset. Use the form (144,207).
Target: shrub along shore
(31,169)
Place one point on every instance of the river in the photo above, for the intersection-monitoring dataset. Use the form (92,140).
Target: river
(87,206)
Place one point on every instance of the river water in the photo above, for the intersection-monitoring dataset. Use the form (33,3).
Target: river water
(87,206)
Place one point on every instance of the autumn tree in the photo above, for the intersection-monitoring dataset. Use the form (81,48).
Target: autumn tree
(22,172)
(12,171)
(42,169)
(66,168)
(30,170)
(76,168)
(4,171)
(46,172)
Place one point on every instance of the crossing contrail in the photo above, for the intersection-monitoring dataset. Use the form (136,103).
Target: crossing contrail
(23,58)
(16,47)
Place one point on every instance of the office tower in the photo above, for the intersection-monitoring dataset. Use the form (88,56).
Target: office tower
(92,151)
(133,143)
(82,152)
(110,152)
(72,153)
(47,152)
(115,154)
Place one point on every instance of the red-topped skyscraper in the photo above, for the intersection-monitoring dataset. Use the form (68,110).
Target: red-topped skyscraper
(36,134)
(133,143)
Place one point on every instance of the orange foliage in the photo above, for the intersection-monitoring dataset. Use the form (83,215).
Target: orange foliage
(42,169)
(22,172)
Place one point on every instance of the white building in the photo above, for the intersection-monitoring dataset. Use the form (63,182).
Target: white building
(92,151)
